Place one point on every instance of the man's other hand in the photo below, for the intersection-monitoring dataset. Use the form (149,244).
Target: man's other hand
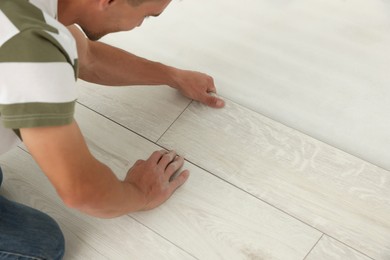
(197,86)
(154,178)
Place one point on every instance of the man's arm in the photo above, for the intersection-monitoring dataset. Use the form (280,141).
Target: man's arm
(90,186)
(104,64)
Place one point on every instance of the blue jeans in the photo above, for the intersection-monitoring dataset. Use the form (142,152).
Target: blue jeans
(26,233)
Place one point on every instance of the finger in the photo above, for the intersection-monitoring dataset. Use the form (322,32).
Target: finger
(178,181)
(175,165)
(156,156)
(167,159)
(138,162)
(213,101)
(211,86)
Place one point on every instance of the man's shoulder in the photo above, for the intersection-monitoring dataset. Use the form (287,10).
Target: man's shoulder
(23,14)
(32,35)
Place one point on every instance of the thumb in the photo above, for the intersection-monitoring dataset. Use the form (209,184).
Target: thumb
(213,101)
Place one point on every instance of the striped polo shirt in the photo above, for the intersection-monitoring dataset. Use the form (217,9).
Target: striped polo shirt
(38,68)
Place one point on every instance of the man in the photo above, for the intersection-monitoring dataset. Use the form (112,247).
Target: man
(40,60)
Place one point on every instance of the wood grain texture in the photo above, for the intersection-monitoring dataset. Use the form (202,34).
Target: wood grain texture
(335,192)
(214,220)
(206,217)
(147,110)
(86,237)
(330,249)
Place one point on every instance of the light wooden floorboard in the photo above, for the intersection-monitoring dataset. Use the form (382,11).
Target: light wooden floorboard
(213,220)
(335,192)
(330,249)
(148,111)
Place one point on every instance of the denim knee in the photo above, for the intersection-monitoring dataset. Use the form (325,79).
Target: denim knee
(25,231)
(56,241)
(52,239)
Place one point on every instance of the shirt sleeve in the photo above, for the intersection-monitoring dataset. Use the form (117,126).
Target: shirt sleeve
(38,80)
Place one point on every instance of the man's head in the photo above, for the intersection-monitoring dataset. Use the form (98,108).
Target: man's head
(100,17)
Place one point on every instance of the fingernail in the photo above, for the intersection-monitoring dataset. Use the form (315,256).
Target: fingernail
(220,103)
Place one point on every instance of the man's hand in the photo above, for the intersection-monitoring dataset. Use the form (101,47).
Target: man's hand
(154,177)
(197,86)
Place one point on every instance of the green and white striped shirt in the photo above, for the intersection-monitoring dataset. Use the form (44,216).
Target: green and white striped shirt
(38,68)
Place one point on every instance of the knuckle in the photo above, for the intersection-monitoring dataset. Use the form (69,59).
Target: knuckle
(172,166)
(139,162)
(156,153)
(169,156)
(211,80)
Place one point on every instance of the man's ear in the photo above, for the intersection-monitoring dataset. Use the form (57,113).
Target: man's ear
(104,4)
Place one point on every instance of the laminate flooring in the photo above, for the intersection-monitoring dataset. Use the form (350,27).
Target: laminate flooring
(263,184)
(257,190)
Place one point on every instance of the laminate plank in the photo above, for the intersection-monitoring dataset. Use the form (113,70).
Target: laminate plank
(337,193)
(207,217)
(329,248)
(213,220)
(86,237)
(147,110)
